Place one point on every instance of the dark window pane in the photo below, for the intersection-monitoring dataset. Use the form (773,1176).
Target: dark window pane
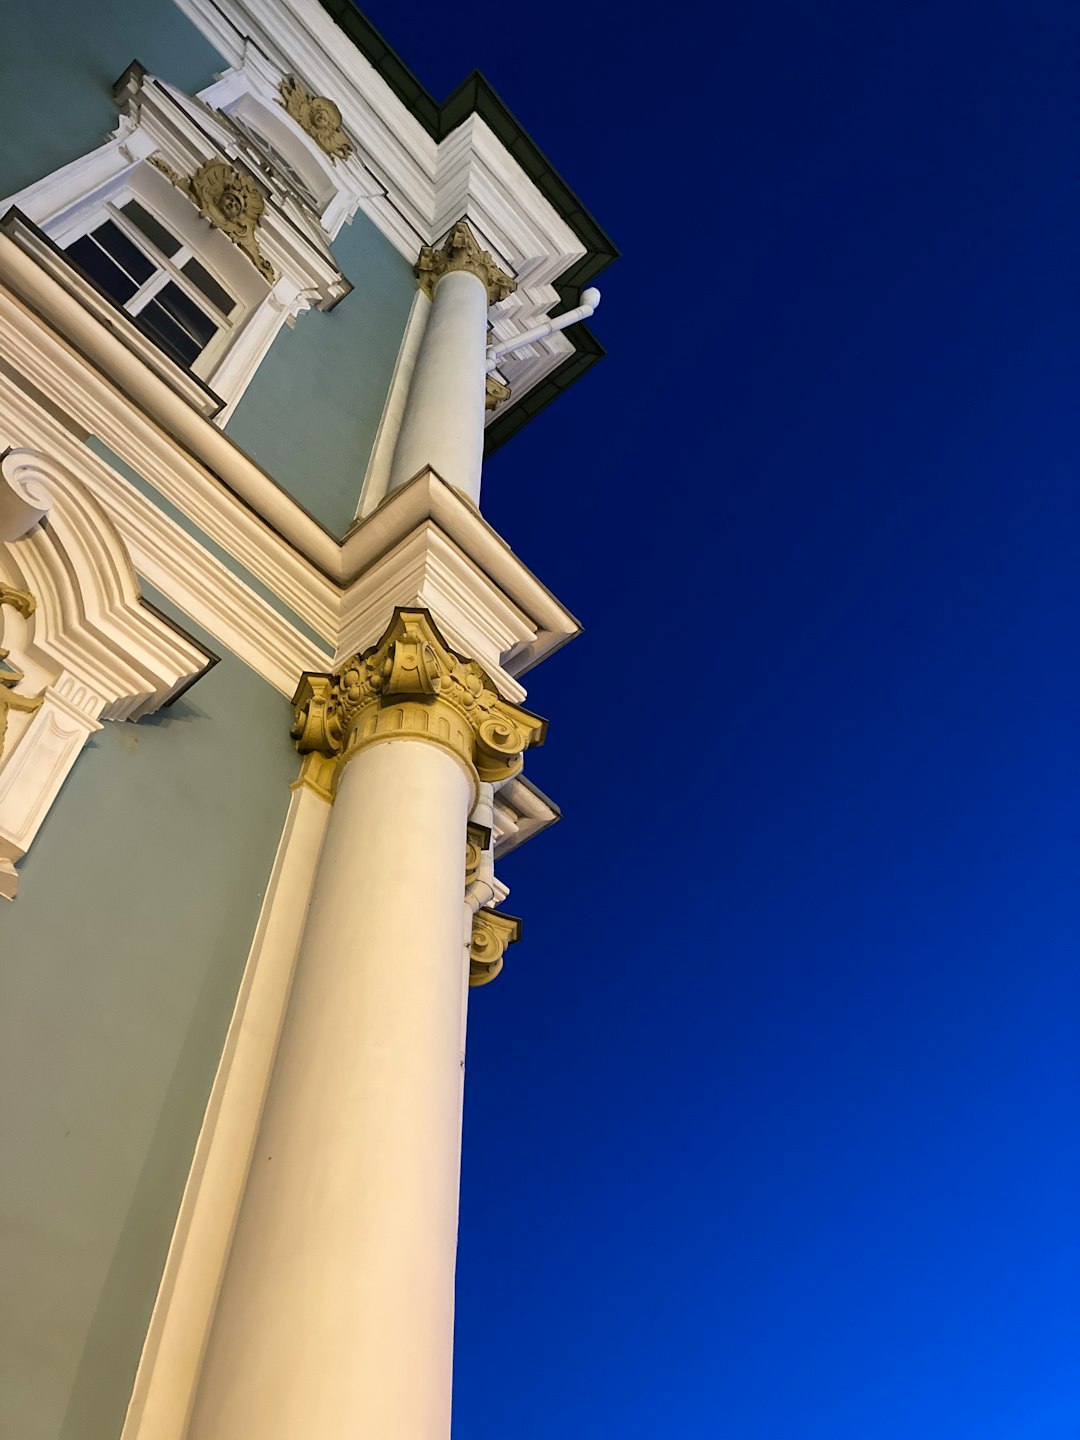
(102,269)
(163,329)
(209,286)
(128,256)
(151,227)
(187,314)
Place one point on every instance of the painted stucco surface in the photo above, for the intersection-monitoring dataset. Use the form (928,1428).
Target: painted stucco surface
(119,964)
(310,415)
(56,101)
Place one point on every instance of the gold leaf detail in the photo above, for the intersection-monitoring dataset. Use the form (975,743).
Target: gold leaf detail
(318,117)
(411,684)
(233,204)
(461,251)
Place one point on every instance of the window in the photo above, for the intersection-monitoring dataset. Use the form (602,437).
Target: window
(158,279)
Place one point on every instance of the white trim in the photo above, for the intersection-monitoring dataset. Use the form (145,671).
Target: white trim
(297,560)
(91,648)
(421,188)
(168,1371)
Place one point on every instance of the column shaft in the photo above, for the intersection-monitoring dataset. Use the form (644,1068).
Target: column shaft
(443,425)
(336,1312)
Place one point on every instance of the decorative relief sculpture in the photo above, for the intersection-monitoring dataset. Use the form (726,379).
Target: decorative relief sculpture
(461,251)
(411,683)
(495,393)
(10,699)
(492,932)
(477,840)
(318,117)
(230,200)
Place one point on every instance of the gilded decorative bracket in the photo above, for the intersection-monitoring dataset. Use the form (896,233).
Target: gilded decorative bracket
(412,685)
(230,200)
(495,393)
(477,840)
(318,117)
(492,932)
(461,251)
(10,699)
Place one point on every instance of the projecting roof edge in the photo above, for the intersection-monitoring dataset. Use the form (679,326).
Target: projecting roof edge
(475,96)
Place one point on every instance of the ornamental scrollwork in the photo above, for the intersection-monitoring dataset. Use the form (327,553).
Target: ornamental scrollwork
(233,203)
(10,699)
(318,117)
(461,251)
(495,393)
(412,685)
(492,932)
(230,200)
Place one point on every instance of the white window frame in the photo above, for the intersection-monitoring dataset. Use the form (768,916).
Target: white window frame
(159,122)
(198,239)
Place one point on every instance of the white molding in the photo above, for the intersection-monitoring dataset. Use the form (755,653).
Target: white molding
(220,490)
(105,655)
(421,187)
(521,810)
(168,1370)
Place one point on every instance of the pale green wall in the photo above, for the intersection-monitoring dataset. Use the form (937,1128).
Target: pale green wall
(60,59)
(309,416)
(119,964)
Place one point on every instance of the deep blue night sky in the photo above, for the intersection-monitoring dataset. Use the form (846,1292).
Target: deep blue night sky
(770,1120)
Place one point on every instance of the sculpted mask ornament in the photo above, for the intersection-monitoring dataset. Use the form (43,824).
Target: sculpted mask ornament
(10,699)
(233,203)
(411,684)
(495,393)
(318,117)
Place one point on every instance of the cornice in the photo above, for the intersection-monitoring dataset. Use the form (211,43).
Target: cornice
(71,377)
(437,164)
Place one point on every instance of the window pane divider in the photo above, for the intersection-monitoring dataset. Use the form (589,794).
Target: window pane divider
(191,290)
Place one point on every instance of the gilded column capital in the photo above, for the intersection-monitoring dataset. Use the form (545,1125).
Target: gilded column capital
(461,251)
(411,685)
(492,932)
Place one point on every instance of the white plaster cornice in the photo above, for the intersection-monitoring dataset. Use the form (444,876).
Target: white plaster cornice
(68,376)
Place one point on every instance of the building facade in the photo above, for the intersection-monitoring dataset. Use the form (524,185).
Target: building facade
(265,306)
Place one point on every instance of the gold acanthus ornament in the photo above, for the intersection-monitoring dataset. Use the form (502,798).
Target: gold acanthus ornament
(495,393)
(230,200)
(461,251)
(318,117)
(477,840)
(492,932)
(412,685)
(10,699)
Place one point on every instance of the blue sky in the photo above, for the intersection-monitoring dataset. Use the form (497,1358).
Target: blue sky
(770,1121)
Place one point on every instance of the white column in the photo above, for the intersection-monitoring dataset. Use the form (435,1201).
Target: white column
(443,423)
(336,1313)
(443,426)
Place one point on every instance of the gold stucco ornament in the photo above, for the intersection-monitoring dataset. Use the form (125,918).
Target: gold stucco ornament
(495,393)
(10,699)
(461,251)
(477,840)
(233,204)
(492,932)
(412,685)
(318,117)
